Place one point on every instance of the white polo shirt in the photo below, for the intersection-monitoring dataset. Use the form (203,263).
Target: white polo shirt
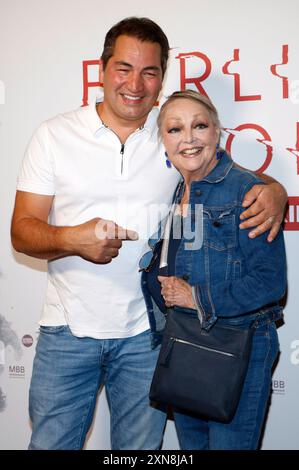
(83,164)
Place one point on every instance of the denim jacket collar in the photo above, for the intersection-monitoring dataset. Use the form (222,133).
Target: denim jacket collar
(219,173)
(221,170)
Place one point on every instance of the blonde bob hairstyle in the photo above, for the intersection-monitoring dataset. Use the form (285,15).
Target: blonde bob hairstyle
(193,96)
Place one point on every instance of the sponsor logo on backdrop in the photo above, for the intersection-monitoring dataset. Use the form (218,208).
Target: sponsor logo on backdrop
(295,353)
(195,69)
(278,386)
(16,371)
(9,340)
(2,400)
(27,341)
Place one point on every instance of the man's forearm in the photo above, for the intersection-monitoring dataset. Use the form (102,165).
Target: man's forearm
(270,180)
(266,178)
(41,240)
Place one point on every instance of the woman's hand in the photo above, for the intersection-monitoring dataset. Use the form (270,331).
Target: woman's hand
(176,292)
(266,212)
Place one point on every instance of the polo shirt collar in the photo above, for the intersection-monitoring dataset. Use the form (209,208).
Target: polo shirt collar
(92,118)
(95,123)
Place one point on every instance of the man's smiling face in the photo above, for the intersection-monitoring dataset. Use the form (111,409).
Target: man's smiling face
(132,81)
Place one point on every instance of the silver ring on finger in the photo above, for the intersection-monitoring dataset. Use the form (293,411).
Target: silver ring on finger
(270,219)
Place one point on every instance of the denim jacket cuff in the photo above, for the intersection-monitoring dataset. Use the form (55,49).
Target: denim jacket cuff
(204,308)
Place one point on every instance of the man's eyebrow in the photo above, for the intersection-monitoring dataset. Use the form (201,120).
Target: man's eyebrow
(152,67)
(124,64)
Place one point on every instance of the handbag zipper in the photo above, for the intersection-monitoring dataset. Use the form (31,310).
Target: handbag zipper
(177,340)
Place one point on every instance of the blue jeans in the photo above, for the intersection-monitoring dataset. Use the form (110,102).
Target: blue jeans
(67,374)
(243,432)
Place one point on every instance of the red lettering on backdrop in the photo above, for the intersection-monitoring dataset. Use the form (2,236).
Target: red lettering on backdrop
(237,81)
(295,151)
(86,83)
(285,80)
(266,138)
(196,80)
(292,215)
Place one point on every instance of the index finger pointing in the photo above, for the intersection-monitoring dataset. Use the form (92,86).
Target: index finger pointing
(125,234)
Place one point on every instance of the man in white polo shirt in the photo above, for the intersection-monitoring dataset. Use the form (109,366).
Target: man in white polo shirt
(102,163)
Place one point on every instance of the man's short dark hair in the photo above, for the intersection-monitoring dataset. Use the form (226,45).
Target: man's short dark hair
(143,29)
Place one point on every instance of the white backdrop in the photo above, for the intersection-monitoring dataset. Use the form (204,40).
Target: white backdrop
(243,54)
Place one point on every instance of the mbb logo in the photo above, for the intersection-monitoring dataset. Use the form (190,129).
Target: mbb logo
(278,386)
(16,371)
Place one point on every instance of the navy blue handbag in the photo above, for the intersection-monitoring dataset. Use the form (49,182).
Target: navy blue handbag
(201,372)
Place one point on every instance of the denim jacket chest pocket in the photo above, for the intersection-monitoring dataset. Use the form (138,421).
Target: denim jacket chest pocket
(219,227)
(220,241)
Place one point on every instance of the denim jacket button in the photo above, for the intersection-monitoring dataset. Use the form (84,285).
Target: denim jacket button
(216,223)
(197,192)
(185,277)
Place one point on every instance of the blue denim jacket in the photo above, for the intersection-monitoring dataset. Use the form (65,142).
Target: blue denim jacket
(234,278)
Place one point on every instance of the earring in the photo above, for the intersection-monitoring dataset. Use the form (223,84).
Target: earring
(218,152)
(168,162)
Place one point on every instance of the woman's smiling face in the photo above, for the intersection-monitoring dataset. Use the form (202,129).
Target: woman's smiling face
(190,137)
